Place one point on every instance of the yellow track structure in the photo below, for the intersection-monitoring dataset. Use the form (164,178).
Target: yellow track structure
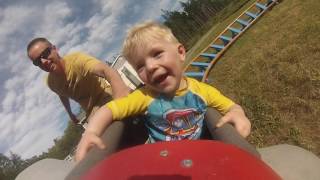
(201,65)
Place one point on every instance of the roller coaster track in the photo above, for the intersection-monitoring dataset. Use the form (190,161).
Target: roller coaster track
(201,65)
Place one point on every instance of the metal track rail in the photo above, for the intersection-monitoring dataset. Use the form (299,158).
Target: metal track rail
(201,65)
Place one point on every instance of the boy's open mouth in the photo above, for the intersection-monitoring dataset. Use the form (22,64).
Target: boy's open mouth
(160,78)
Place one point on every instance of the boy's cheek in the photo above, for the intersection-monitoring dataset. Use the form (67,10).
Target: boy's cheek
(143,77)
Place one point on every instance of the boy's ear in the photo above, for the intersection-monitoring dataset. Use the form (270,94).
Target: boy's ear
(182,52)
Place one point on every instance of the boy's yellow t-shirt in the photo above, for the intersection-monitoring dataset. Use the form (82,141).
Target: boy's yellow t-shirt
(80,84)
(180,117)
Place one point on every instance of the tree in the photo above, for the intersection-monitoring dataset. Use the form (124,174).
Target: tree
(11,166)
(194,15)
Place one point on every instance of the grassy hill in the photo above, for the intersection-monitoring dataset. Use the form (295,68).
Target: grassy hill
(273,71)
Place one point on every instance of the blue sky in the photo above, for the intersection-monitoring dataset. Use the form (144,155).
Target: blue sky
(31,116)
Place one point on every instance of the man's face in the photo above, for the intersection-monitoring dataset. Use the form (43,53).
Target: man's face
(159,65)
(45,56)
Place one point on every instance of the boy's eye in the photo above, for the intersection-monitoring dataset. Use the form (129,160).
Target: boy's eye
(157,54)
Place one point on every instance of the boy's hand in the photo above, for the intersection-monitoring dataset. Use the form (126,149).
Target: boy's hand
(238,119)
(88,140)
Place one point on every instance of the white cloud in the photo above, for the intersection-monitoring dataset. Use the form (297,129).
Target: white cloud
(13,19)
(8,102)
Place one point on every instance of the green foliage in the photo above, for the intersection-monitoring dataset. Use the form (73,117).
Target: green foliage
(66,143)
(195,18)
(11,166)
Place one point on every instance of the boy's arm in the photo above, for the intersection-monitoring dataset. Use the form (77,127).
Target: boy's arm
(134,103)
(233,113)
(236,116)
(91,137)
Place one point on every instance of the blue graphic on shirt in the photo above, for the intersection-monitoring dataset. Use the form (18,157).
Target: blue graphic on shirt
(177,118)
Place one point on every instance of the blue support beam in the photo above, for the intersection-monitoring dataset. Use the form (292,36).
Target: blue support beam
(270,1)
(251,15)
(194,74)
(225,39)
(242,22)
(200,64)
(238,31)
(217,47)
(261,6)
(234,31)
(211,56)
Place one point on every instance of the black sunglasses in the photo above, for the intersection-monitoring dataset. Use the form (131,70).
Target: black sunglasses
(44,55)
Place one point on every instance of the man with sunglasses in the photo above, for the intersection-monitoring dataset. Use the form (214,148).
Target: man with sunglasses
(77,76)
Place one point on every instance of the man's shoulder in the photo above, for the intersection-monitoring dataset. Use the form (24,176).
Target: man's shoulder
(79,59)
(75,60)
(73,55)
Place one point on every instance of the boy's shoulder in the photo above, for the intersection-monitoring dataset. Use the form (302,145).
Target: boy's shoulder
(198,86)
(195,82)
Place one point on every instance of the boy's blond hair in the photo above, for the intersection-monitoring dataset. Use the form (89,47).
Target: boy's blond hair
(142,35)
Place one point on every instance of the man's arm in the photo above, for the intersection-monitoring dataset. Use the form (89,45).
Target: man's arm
(119,89)
(66,103)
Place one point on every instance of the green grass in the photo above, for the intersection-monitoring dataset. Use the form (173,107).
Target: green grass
(273,71)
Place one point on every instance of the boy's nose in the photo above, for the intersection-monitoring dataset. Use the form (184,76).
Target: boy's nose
(150,65)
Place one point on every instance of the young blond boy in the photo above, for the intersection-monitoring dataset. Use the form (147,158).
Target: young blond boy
(174,105)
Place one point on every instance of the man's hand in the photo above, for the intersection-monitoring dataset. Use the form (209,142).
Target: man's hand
(87,141)
(238,119)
